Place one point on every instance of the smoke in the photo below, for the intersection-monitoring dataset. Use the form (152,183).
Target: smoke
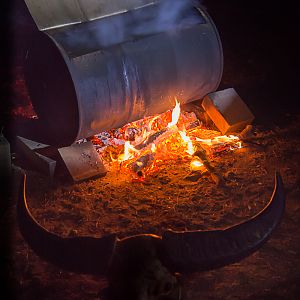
(170,14)
(158,17)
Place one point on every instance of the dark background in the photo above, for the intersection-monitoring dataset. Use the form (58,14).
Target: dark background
(261,53)
(260,43)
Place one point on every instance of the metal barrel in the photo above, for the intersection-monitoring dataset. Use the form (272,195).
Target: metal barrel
(82,80)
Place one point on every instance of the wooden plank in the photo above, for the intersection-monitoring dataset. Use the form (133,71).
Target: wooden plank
(227,110)
(27,148)
(82,161)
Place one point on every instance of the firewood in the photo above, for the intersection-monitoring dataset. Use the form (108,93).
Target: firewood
(227,110)
(150,139)
(141,163)
(30,151)
(214,174)
(82,161)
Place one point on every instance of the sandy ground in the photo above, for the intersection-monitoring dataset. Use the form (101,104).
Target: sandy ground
(178,199)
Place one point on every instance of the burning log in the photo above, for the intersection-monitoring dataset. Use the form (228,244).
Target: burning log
(30,150)
(201,153)
(246,133)
(141,163)
(139,145)
(200,113)
(151,139)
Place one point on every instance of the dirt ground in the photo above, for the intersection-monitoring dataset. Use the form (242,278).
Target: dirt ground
(178,199)
(258,58)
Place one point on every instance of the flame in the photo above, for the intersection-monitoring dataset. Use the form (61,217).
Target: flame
(175,114)
(190,147)
(238,145)
(218,140)
(196,165)
(129,152)
(151,123)
(153,140)
(153,147)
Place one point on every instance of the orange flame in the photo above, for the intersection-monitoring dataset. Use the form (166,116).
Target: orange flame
(190,147)
(157,140)
(129,152)
(175,114)
(196,165)
(153,147)
(218,140)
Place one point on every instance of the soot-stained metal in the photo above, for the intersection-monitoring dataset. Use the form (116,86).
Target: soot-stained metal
(104,72)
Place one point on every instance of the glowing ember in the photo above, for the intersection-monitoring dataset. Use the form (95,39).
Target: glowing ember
(129,152)
(153,147)
(141,147)
(218,139)
(190,148)
(196,165)
(175,114)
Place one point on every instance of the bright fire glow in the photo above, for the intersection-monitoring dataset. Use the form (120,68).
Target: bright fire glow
(153,147)
(190,148)
(175,114)
(218,139)
(129,152)
(141,147)
(196,165)
(238,145)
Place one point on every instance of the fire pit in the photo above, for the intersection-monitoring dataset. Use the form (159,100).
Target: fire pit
(141,147)
(165,174)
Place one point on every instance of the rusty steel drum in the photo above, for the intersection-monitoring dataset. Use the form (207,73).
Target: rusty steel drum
(88,76)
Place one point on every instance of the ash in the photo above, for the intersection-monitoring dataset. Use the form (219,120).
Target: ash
(174,197)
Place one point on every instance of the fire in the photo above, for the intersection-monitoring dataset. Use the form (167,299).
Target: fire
(175,114)
(232,140)
(141,147)
(129,152)
(153,147)
(196,165)
(218,139)
(190,147)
